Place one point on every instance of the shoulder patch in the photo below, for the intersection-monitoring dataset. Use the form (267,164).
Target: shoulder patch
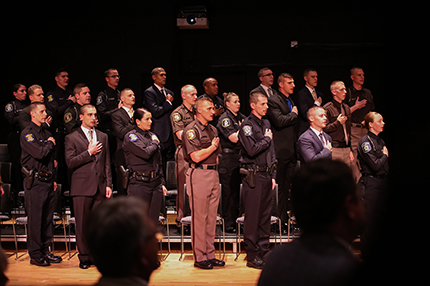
(247,129)
(99,100)
(29,137)
(176,117)
(366,147)
(132,137)
(226,122)
(67,117)
(155,138)
(50,98)
(191,134)
(8,107)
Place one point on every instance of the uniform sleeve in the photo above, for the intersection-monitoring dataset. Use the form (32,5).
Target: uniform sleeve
(139,146)
(333,124)
(375,160)
(34,147)
(190,141)
(176,119)
(225,126)
(252,146)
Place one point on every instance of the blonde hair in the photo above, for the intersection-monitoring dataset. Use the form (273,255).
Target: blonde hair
(369,118)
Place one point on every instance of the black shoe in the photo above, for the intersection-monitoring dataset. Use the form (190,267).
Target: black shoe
(205,264)
(216,262)
(53,259)
(84,264)
(39,261)
(256,262)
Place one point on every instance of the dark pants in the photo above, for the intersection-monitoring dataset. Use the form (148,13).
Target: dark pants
(229,177)
(374,193)
(39,203)
(284,174)
(258,206)
(82,207)
(151,193)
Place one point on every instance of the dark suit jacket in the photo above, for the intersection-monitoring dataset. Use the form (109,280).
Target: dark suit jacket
(304,101)
(318,259)
(311,148)
(261,89)
(89,172)
(157,104)
(283,123)
(121,124)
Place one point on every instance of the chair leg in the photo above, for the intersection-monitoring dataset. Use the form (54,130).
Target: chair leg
(280,232)
(238,242)
(182,241)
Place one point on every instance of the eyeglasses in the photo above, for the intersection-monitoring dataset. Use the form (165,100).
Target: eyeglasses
(114,76)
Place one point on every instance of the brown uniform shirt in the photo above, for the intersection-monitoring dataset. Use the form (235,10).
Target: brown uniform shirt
(334,128)
(197,136)
(179,119)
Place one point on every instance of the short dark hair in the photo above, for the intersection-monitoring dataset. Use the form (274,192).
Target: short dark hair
(318,191)
(34,105)
(253,97)
(139,113)
(77,89)
(107,72)
(283,76)
(114,232)
(85,107)
(307,71)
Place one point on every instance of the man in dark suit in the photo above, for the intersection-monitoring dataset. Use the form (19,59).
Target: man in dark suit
(158,100)
(283,117)
(314,143)
(329,209)
(307,97)
(87,155)
(266,78)
(122,123)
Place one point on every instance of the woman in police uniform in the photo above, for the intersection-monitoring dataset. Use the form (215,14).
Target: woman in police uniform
(229,176)
(373,158)
(143,158)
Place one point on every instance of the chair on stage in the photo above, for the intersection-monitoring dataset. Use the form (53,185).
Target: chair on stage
(70,221)
(171,187)
(162,219)
(219,221)
(5,204)
(59,216)
(273,219)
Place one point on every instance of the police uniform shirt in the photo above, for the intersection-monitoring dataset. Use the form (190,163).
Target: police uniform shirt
(197,136)
(180,118)
(257,148)
(351,97)
(228,124)
(141,151)
(106,103)
(372,160)
(57,102)
(71,118)
(12,111)
(37,152)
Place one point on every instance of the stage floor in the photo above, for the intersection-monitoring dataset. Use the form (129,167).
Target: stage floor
(171,272)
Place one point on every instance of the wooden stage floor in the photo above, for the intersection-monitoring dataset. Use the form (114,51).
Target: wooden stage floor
(171,272)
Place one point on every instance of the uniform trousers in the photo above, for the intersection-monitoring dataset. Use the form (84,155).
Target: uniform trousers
(203,190)
(39,204)
(258,207)
(342,154)
(374,193)
(180,171)
(229,177)
(284,174)
(82,206)
(151,193)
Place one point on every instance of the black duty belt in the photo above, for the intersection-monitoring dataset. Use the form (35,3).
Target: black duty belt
(230,151)
(203,166)
(147,174)
(356,125)
(384,177)
(44,176)
(340,144)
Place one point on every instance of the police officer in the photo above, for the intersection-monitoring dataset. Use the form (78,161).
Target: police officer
(180,117)
(71,115)
(258,158)
(143,158)
(38,159)
(12,111)
(373,158)
(229,176)
(201,148)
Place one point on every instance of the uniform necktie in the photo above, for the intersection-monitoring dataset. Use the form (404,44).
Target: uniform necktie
(342,110)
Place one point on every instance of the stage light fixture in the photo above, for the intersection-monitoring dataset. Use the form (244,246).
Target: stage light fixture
(192,17)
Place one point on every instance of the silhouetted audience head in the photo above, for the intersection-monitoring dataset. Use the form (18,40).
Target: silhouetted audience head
(121,239)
